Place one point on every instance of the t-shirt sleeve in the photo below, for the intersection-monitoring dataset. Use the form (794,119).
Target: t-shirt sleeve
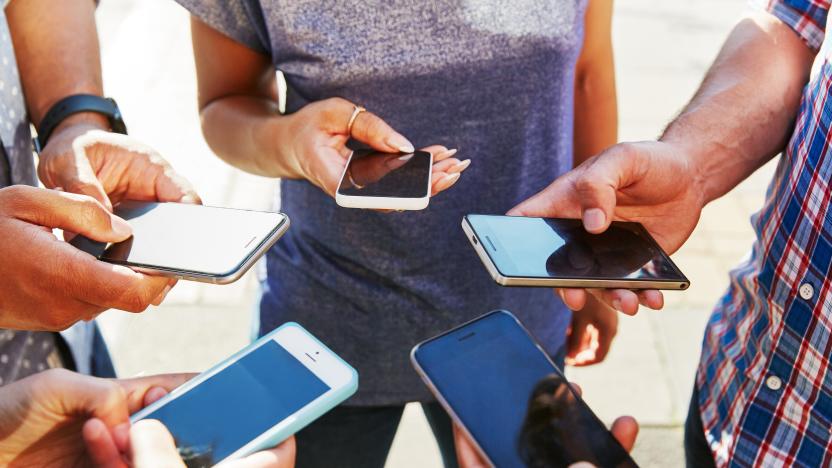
(241,20)
(806,17)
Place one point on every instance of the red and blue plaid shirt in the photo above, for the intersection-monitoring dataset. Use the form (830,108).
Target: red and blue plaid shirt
(765,377)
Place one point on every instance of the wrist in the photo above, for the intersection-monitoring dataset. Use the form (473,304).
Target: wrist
(696,159)
(272,136)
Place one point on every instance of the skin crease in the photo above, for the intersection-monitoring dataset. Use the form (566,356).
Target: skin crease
(51,285)
(709,149)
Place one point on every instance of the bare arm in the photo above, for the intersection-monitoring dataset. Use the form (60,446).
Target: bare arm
(740,118)
(745,109)
(596,108)
(56,46)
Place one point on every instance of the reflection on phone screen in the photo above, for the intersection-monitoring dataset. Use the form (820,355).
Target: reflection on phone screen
(515,403)
(562,248)
(392,175)
(231,408)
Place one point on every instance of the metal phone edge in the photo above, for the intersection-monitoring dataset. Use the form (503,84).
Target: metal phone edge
(228,278)
(386,203)
(499,278)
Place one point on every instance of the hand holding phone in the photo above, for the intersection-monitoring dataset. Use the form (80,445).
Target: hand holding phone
(397,181)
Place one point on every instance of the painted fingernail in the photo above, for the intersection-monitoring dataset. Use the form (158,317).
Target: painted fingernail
(460,166)
(400,143)
(448,181)
(616,304)
(449,153)
(594,219)
(121,228)
(405,157)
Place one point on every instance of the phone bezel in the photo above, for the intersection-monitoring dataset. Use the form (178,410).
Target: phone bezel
(326,365)
(383,203)
(441,399)
(474,238)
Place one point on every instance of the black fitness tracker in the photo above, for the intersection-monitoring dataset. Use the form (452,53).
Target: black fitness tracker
(73,105)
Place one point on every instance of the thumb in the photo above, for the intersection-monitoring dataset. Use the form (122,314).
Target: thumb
(558,200)
(371,129)
(152,446)
(81,179)
(625,431)
(70,212)
(138,390)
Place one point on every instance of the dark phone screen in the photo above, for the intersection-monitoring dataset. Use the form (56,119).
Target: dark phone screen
(231,408)
(399,175)
(194,238)
(561,248)
(516,404)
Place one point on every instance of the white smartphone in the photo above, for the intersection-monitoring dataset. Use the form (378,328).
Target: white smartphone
(255,399)
(559,253)
(386,181)
(190,242)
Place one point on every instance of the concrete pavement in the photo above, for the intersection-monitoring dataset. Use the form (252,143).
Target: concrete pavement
(662,51)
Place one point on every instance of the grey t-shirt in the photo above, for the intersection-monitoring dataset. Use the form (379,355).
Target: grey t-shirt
(492,78)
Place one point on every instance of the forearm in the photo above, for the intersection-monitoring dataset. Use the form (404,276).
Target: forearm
(596,111)
(57,51)
(744,111)
(247,132)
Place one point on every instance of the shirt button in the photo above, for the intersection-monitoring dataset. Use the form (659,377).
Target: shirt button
(806,291)
(774,383)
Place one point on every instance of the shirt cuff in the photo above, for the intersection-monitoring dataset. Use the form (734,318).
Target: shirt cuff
(806,17)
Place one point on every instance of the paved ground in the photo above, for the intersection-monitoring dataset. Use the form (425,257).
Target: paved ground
(662,51)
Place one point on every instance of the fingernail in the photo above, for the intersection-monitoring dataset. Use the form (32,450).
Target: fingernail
(449,153)
(405,157)
(594,219)
(163,295)
(121,228)
(400,143)
(121,435)
(616,304)
(448,180)
(460,166)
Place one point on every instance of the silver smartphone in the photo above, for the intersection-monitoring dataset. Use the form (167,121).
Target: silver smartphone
(559,253)
(190,242)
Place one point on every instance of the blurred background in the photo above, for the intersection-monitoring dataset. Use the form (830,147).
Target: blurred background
(662,51)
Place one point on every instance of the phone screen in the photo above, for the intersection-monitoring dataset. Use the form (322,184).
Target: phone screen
(228,410)
(391,175)
(189,238)
(515,403)
(562,248)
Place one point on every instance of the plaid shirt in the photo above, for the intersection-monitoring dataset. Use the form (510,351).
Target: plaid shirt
(765,377)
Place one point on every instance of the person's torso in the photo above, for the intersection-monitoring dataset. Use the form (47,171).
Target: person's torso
(765,376)
(492,78)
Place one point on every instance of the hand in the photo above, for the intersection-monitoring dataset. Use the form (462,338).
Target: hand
(648,182)
(42,416)
(49,284)
(315,146)
(591,333)
(624,429)
(109,167)
(152,446)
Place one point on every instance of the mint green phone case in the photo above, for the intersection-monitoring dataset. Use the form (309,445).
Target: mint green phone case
(301,419)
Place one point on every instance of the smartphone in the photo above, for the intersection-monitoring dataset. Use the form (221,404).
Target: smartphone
(386,181)
(559,253)
(504,391)
(255,399)
(190,242)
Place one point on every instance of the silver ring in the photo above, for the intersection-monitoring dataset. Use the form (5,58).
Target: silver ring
(356,110)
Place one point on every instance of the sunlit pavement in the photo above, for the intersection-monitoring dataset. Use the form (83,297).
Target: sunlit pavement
(663,49)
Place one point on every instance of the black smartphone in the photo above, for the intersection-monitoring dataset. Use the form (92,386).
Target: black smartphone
(500,386)
(386,181)
(560,253)
(190,242)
